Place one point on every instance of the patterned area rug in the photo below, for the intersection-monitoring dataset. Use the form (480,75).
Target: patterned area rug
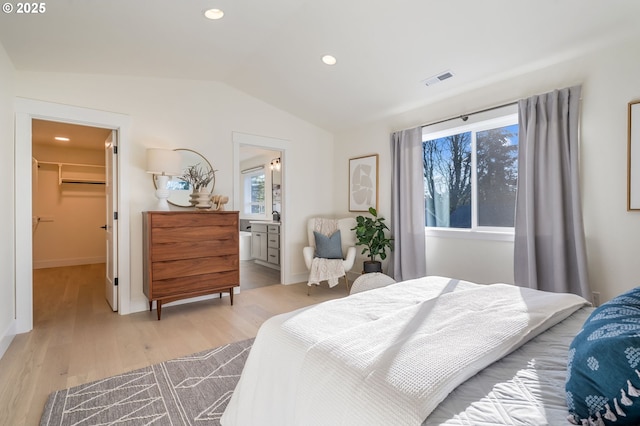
(186,391)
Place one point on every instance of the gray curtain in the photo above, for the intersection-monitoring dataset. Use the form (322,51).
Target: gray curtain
(549,247)
(407,206)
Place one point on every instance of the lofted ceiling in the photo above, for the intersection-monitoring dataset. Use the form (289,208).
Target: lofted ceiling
(272,49)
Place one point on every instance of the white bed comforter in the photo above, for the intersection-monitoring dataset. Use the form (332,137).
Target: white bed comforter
(386,356)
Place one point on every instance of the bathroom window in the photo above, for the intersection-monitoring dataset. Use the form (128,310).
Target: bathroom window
(254,197)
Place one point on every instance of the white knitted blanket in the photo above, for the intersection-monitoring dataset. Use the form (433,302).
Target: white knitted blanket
(386,356)
(326,269)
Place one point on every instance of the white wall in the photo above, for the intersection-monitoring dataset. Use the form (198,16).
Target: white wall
(71,215)
(201,116)
(610,80)
(7,265)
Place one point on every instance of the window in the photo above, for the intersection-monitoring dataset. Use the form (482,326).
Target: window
(470,175)
(254,197)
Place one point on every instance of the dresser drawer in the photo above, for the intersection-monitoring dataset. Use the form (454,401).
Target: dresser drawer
(193,219)
(190,234)
(191,267)
(191,250)
(185,286)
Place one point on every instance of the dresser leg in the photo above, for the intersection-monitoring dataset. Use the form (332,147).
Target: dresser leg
(159,308)
(231,295)
(150,305)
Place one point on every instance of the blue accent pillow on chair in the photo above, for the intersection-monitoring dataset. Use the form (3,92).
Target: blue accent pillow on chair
(603,371)
(328,247)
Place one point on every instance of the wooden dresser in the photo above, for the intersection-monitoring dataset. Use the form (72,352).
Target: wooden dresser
(188,254)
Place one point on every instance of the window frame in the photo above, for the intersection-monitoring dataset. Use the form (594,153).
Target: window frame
(246,193)
(496,118)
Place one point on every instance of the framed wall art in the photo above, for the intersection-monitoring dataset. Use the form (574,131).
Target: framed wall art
(633,157)
(363,183)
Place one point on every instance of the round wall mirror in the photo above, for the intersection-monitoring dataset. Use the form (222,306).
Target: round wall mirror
(180,190)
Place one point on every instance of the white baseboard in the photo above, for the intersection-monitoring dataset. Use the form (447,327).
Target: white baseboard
(57,263)
(7,338)
(298,278)
(139,304)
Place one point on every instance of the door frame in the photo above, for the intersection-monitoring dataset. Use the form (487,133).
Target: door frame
(25,111)
(111,224)
(272,144)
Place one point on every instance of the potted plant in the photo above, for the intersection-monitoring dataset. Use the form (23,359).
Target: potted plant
(370,233)
(197,177)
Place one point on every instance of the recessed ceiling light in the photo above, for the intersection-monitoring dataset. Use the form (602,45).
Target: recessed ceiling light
(214,13)
(329,60)
(61,139)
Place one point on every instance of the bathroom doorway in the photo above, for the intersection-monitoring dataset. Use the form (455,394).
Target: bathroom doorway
(260,216)
(260,160)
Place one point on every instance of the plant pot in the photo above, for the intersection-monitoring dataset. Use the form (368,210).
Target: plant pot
(370,266)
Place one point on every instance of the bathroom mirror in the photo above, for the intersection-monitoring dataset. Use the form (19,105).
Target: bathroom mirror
(179,190)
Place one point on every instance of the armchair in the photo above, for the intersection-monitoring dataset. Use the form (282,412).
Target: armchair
(348,244)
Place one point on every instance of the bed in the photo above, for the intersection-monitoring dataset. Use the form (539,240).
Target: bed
(431,351)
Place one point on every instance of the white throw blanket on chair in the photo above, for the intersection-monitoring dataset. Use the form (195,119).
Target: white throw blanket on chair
(326,269)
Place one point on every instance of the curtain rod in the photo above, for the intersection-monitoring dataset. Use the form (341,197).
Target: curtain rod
(465,117)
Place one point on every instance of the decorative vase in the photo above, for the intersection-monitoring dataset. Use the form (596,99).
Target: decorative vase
(193,197)
(204,199)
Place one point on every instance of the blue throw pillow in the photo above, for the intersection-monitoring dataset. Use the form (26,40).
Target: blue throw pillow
(328,247)
(603,370)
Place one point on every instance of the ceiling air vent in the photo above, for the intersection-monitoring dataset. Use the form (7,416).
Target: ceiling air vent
(437,78)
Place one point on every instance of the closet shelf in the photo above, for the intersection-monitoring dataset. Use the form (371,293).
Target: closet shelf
(79,173)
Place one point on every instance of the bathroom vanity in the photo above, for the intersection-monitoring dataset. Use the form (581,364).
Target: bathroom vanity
(265,243)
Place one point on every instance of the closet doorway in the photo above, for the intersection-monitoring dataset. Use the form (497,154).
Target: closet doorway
(27,110)
(72,193)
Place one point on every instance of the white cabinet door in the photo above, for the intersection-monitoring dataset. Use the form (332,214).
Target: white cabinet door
(259,245)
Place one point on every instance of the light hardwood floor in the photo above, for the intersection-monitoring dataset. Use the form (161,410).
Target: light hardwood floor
(253,275)
(77,338)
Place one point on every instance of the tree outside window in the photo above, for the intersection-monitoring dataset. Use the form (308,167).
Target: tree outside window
(254,196)
(470,176)
(447,173)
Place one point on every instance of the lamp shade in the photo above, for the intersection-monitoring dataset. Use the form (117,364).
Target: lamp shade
(164,162)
